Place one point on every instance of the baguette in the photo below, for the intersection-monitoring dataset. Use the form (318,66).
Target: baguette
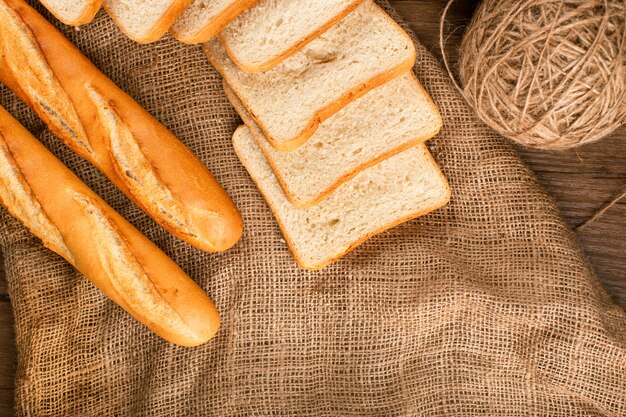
(74,222)
(105,126)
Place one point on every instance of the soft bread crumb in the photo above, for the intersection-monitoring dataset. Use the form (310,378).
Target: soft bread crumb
(20,52)
(361,52)
(402,187)
(387,120)
(272,28)
(200,14)
(137,18)
(68,11)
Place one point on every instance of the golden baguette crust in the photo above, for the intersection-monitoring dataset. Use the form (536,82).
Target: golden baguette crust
(87,16)
(211,221)
(329,110)
(293,199)
(35,79)
(215,25)
(103,246)
(18,198)
(301,43)
(165,22)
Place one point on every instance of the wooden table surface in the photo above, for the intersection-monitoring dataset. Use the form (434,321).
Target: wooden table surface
(580,181)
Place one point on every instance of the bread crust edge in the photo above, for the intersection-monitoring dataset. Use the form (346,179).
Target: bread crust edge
(86,17)
(348,175)
(317,266)
(163,24)
(213,27)
(301,43)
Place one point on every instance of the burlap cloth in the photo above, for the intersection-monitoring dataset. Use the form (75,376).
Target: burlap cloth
(486,307)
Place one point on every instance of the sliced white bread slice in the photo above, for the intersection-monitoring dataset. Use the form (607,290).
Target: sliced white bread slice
(205,18)
(272,30)
(361,52)
(71,12)
(382,123)
(396,190)
(145,21)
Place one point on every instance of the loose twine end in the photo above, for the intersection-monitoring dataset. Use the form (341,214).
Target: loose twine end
(617,197)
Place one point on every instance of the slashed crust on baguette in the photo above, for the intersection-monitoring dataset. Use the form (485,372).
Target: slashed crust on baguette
(209,212)
(132,166)
(125,273)
(106,249)
(20,52)
(17,196)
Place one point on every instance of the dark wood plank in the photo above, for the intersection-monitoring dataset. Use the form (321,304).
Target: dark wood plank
(3,281)
(6,402)
(8,359)
(424,16)
(7,347)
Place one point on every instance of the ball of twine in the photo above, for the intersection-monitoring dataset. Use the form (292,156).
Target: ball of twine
(549,74)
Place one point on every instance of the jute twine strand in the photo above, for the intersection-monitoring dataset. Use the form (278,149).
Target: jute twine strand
(617,197)
(546,73)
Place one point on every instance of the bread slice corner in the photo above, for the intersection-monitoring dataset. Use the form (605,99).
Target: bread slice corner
(204,19)
(73,13)
(272,30)
(145,21)
(401,188)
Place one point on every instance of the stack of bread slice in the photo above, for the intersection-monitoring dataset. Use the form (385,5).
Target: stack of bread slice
(335,121)
(145,21)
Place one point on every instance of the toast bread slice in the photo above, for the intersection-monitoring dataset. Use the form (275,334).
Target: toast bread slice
(203,19)
(363,51)
(272,30)
(145,21)
(398,189)
(382,123)
(73,13)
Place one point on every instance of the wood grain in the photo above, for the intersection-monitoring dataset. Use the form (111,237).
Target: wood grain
(4,291)
(8,359)
(580,181)
(6,402)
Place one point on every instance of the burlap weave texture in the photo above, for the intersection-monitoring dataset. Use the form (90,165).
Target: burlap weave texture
(485,307)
